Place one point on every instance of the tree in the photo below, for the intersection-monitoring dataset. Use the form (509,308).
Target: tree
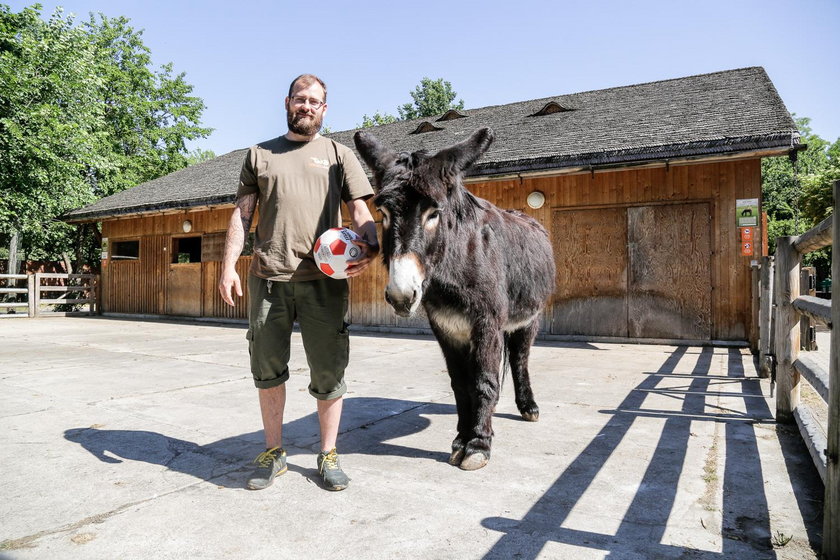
(82,115)
(799,195)
(198,155)
(817,199)
(150,113)
(376,120)
(431,97)
(51,126)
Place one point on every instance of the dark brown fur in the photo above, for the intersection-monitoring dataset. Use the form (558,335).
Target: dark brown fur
(483,277)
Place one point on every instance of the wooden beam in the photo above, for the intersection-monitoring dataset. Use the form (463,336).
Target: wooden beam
(831,512)
(813,373)
(787,329)
(813,436)
(765,319)
(815,238)
(815,308)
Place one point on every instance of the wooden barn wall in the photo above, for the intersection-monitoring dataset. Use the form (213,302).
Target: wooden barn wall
(136,287)
(719,184)
(140,286)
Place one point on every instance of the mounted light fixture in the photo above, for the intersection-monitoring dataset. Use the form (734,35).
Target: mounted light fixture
(536,200)
(186,226)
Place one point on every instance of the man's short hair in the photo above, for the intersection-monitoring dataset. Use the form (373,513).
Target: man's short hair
(307,80)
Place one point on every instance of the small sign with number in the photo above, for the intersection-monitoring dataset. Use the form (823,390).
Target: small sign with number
(746,248)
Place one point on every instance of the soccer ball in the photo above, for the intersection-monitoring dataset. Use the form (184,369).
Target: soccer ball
(334,250)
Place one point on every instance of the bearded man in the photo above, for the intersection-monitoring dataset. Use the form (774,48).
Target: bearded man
(299,181)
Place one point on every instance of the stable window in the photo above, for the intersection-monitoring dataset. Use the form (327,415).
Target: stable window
(126,250)
(186,250)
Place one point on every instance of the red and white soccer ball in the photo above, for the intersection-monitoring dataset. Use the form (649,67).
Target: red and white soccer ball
(334,250)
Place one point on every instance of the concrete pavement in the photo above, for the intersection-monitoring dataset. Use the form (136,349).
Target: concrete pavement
(131,439)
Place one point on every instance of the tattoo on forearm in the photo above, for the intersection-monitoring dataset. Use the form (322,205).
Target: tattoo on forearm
(247,204)
(239,227)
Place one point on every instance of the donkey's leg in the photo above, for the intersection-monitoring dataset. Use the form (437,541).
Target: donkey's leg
(487,354)
(519,348)
(457,364)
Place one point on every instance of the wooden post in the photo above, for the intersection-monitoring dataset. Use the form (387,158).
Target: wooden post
(91,293)
(831,511)
(755,288)
(807,287)
(30,294)
(787,329)
(36,294)
(765,319)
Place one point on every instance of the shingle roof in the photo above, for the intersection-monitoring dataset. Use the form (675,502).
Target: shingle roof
(719,113)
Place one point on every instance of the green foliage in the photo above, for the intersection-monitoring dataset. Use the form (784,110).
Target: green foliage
(198,155)
(82,115)
(817,199)
(780,182)
(431,97)
(376,120)
(799,196)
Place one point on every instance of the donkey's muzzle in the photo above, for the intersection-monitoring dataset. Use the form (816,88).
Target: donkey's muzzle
(405,281)
(403,307)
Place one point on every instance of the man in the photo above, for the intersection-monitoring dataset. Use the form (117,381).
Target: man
(299,180)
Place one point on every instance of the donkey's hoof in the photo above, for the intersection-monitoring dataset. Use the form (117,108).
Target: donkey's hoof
(474,462)
(456,457)
(531,416)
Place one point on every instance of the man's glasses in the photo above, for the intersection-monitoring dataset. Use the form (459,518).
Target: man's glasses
(314,103)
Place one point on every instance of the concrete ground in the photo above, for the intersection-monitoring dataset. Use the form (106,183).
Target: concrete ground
(129,439)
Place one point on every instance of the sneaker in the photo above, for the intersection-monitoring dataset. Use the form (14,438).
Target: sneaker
(330,469)
(270,464)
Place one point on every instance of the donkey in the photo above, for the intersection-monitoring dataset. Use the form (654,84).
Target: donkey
(482,275)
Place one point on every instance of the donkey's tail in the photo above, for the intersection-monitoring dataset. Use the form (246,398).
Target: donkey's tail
(505,366)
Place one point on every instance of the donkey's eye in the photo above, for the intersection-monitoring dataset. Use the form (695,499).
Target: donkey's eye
(386,217)
(430,218)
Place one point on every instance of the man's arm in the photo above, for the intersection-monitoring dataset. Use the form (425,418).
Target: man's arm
(363,224)
(238,228)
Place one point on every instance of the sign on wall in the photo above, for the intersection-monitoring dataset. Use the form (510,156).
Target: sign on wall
(746,212)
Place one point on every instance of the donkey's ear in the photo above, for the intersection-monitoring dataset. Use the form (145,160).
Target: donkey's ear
(376,156)
(462,155)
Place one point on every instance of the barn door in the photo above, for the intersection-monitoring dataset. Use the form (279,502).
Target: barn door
(590,248)
(669,277)
(638,272)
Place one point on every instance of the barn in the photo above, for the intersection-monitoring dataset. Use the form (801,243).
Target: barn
(651,194)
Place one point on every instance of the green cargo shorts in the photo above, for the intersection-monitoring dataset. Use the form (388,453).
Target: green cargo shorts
(319,307)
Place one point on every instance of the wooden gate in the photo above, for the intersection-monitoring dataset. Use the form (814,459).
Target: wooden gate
(637,271)
(183,290)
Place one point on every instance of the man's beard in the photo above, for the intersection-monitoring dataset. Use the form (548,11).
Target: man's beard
(305,125)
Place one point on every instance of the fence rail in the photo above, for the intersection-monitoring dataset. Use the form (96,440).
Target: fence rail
(791,309)
(84,286)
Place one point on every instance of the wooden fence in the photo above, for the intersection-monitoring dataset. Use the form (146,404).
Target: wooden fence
(791,366)
(60,289)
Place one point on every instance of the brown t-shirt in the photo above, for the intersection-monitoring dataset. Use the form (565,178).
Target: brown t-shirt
(301,186)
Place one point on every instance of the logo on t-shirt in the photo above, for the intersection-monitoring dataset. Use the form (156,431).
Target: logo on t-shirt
(319,163)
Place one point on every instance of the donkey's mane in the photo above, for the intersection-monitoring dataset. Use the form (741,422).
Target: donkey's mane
(425,176)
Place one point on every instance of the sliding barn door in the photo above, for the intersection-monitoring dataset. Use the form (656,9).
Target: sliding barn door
(669,272)
(637,272)
(590,248)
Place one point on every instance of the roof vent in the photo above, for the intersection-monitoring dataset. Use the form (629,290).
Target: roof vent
(425,126)
(451,115)
(550,108)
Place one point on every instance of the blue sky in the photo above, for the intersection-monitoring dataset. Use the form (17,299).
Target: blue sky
(240,56)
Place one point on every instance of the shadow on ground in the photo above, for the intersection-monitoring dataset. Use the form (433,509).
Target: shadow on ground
(745,518)
(226,462)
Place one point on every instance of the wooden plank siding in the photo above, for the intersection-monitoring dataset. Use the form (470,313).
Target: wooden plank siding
(714,186)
